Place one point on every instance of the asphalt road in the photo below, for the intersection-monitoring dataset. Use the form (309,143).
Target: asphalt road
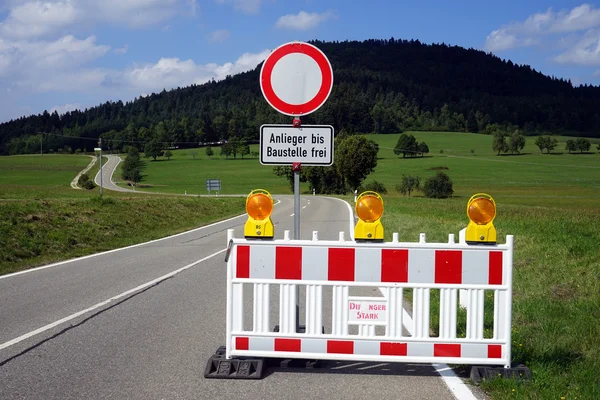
(107,174)
(154,343)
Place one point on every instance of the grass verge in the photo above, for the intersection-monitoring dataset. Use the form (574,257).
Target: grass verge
(34,233)
(556,283)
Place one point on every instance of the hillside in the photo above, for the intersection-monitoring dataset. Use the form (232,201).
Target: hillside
(380,86)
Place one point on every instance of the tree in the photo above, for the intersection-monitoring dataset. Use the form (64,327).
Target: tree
(209,152)
(438,186)
(571,145)
(153,149)
(422,148)
(226,150)
(516,142)
(407,144)
(132,166)
(598,147)
(376,186)
(546,143)
(541,142)
(195,153)
(499,143)
(409,184)
(168,154)
(583,144)
(355,158)
(244,149)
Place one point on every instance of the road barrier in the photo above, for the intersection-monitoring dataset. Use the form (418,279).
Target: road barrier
(352,299)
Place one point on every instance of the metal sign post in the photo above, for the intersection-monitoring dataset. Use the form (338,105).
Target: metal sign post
(100,144)
(296,79)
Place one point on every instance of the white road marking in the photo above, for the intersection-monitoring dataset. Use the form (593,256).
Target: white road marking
(350,214)
(105,302)
(454,383)
(114,250)
(372,366)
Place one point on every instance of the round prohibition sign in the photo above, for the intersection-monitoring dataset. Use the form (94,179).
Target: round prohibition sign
(296,79)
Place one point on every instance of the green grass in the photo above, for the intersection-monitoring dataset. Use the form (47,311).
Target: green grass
(182,174)
(40,177)
(34,233)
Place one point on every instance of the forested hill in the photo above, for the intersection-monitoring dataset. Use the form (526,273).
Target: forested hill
(380,86)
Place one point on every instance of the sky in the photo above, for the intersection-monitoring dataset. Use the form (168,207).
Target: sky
(74,54)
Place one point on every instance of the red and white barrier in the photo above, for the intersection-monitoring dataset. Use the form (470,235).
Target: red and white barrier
(336,267)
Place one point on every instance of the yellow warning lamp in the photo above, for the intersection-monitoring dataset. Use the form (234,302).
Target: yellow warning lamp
(259,206)
(481,210)
(369,209)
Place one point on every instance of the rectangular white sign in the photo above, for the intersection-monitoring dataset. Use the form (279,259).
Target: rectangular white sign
(367,311)
(285,145)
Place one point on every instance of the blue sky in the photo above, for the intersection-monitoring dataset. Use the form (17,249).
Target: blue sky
(66,54)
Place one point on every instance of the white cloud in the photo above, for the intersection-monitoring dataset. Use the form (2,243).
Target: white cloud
(38,18)
(121,50)
(66,108)
(303,20)
(219,36)
(537,26)
(31,19)
(169,73)
(245,6)
(22,59)
(585,52)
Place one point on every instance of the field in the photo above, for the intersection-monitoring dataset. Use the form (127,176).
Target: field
(568,180)
(42,219)
(550,203)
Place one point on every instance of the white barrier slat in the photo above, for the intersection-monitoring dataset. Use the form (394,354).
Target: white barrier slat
(475,314)
(448,313)
(314,306)
(421,312)
(287,308)
(261,307)
(394,304)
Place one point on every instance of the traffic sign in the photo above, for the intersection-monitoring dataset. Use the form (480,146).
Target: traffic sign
(307,145)
(213,184)
(296,79)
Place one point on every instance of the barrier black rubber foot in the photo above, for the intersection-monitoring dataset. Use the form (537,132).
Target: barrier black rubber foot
(479,373)
(218,367)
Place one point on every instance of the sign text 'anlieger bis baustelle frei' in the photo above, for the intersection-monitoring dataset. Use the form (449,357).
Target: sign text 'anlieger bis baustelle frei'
(308,145)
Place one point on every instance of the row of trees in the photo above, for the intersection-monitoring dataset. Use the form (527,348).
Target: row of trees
(504,142)
(407,145)
(581,144)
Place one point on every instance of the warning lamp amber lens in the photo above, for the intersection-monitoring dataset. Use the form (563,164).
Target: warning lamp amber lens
(369,208)
(259,206)
(482,211)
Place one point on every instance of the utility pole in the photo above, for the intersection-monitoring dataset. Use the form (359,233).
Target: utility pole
(100,144)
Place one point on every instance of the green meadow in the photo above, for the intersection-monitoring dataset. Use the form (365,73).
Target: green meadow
(550,203)
(569,180)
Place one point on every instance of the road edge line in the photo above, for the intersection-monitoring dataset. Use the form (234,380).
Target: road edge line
(456,386)
(105,302)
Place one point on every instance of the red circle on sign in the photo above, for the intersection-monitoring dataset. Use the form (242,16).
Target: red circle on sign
(326,82)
